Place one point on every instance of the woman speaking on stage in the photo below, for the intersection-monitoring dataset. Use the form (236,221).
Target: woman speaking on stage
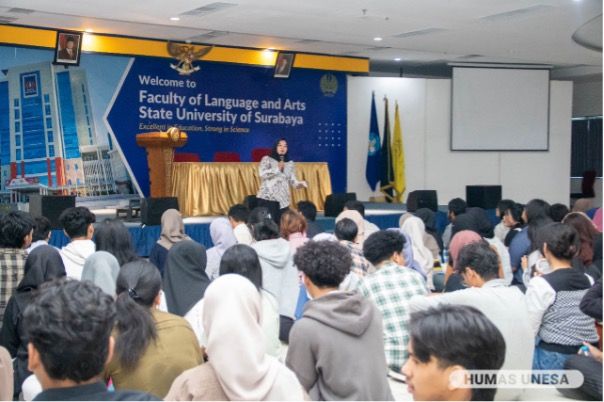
(277,173)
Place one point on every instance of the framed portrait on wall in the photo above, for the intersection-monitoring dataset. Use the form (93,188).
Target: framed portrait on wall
(284,64)
(68,48)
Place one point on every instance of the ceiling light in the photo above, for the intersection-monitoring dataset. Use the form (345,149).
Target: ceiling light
(377,38)
(88,30)
(397,59)
(174,18)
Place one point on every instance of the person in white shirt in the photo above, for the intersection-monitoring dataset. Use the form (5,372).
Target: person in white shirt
(504,305)
(238,215)
(77,225)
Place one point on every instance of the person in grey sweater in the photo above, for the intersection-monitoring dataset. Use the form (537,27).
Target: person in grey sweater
(336,347)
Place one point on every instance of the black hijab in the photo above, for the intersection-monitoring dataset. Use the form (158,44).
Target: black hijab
(43,264)
(185,279)
(429,218)
(274,153)
(483,223)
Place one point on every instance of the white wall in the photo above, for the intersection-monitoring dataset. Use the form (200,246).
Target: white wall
(587,98)
(425,107)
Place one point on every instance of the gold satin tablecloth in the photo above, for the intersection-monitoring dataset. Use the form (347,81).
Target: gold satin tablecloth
(211,188)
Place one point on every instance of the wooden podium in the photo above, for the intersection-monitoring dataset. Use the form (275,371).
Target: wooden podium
(160,154)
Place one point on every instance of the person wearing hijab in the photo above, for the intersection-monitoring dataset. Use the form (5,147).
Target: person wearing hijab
(277,173)
(238,366)
(42,265)
(453,280)
(357,218)
(172,231)
(223,237)
(415,229)
(432,240)
(185,282)
(102,269)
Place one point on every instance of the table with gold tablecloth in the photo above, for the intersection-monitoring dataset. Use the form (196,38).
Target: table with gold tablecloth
(211,188)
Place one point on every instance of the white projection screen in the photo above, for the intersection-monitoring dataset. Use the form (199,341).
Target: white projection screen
(500,109)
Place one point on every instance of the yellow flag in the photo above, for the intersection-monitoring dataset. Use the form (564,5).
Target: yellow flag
(398,156)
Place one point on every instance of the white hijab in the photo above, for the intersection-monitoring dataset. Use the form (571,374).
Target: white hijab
(236,347)
(414,228)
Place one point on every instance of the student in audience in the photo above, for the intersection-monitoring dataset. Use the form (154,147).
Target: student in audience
(185,282)
(339,334)
(257,215)
(501,229)
(453,280)
(238,216)
(536,214)
(512,219)
(223,237)
(408,253)
(41,234)
(357,218)
(238,366)
(447,339)
(589,257)
(152,347)
(369,228)
(432,240)
(391,287)
(591,304)
(279,276)
(309,210)
(172,231)
(69,325)
(346,233)
(415,229)
(42,265)
(113,236)
(77,225)
(16,230)
(478,265)
(553,301)
(293,229)
(558,212)
(102,269)
(456,207)
(243,260)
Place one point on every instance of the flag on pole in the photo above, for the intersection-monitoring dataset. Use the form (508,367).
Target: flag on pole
(386,174)
(372,170)
(398,156)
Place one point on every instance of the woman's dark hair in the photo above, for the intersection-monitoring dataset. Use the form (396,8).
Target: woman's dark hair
(257,215)
(267,229)
(503,206)
(242,260)
(274,153)
(586,230)
(537,215)
(515,211)
(138,284)
(562,240)
(558,212)
(112,236)
(346,229)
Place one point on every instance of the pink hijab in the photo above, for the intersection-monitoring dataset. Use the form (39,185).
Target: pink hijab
(597,220)
(460,240)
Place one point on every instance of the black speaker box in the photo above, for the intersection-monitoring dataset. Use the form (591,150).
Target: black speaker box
(485,197)
(50,206)
(334,203)
(250,202)
(422,199)
(153,208)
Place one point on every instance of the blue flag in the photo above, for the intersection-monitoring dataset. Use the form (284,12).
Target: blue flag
(372,171)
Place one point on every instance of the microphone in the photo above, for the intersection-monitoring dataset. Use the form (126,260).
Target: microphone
(281,158)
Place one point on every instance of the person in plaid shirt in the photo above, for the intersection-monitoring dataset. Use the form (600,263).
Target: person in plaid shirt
(16,231)
(391,287)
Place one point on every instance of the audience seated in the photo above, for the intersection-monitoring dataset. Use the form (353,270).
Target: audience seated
(41,234)
(456,207)
(112,236)
(589,257)
(102,269)
(368,227)
(221,233)
(553,301)
(558,212)
(346,233)
(238,366)
(501,229)
(478,265)
(279,277)
(339,335)
(152,347)
(432,240)
(512,219)
(69,325)
(185,282)
(357,218)
(309,210)
(77,225)
(453,280)
(238,216)
(172,231)
(447,339)
(293,229)
(16,230)
(42,265)
(415,229)
(391,287)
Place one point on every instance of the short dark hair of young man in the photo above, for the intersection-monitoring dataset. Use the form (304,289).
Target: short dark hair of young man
(447,339)
(346,229)
(456,207)
(308,209)
(238,213)
(77,223)
(477,263)
(69,327)
(42,228)
(336,323)
(384,245)
(16,229)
